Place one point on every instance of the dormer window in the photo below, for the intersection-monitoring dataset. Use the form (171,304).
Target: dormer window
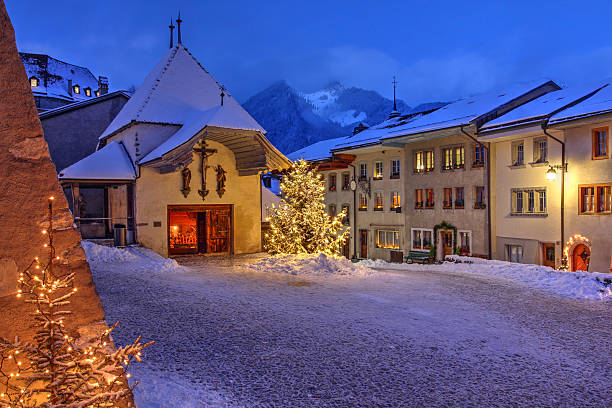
(87,91)
(97,93)
(34,82)
(76,89)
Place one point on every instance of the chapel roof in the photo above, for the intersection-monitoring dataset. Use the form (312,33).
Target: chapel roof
(111,163)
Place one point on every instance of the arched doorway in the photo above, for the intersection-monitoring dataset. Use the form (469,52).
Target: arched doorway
(581,255)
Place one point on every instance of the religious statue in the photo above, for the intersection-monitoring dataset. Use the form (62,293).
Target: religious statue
(186,174)
(220,180)
(204,155)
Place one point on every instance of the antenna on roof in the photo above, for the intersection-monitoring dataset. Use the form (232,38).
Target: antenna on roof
(394,85)
(171,27)
(178,23)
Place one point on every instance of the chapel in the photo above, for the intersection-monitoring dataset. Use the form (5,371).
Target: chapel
(179,167)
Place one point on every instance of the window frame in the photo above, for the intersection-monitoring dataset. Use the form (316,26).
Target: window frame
(462,206)
(332,182)
(34,78)
(347,218)
(418,193)
(476,163)
(378,175)
(458,244)
(454,164)
(537,149)
(447,204)
(394,207)
(479,205)
(514,158)
(595,199)
(595,143)
(365,197)
(363,171)
(76,89)
(429,205)
(379,194)
(346,180)
(509,252)
(530,200)
(422,231)
(393,175)
(396,239)
(87,91)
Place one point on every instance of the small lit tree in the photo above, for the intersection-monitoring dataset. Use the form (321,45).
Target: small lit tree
(300,224)
(53,370)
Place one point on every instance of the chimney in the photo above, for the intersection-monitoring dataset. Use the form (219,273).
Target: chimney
(359,128)
(103,85)
(70,87)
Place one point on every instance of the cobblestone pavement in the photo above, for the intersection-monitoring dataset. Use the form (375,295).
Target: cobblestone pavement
(239,338)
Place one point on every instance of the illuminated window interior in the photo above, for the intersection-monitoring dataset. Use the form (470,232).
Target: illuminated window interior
(34,82)
(387,239)
(183,230)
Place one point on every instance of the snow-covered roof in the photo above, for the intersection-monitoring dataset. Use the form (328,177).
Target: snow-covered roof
(109,163)
(599,103)
(53,76)
(180,91)
(464,111)
(316,151)
(80,104)
(547,104)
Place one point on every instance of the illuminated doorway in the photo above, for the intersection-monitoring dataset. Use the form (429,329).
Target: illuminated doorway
(200,229)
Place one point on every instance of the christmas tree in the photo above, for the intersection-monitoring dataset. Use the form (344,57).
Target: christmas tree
(300,224)
(54,370)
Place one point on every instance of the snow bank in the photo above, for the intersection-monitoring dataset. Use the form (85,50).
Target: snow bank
(310,265)
(582,285)
(138,258)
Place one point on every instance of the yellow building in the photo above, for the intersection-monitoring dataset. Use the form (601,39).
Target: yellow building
(179,167)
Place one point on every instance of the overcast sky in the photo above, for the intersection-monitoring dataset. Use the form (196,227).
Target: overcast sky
(439,50)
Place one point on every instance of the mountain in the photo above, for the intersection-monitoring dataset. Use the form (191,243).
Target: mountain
(297,119)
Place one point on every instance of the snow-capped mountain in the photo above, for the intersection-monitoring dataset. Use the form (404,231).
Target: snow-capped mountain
(297,119)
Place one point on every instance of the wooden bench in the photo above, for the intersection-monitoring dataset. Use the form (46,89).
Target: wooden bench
(421,256)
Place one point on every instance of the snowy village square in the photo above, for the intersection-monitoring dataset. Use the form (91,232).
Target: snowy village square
(305,204)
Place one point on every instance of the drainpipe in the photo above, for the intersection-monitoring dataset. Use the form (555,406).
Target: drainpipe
(563,168)
(334,158)
(488,169)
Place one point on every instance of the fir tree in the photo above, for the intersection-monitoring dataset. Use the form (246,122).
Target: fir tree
(53,370)
(300,224)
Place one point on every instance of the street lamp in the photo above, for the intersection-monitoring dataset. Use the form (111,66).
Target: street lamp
(551,174)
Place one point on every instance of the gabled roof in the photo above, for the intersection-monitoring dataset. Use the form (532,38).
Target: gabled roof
(316,151)
(81,104)
(109,163)
(598,104)
(180,91)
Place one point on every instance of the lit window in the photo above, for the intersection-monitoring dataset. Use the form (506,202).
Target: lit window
(378,170)
(332,182)
(600,143)
(448,198)
(363,202)
(453,158)
(97,93)
(459,203)
(479,197)
(76,89)
(459,157)
(378,201)
(387,239)
(423,161)
(395,200)
(34,82)
(395,169)
(87,91)
(429,198)
(518,153)
(596,199)
(540,150)
(363,171)
(421,239)
(418,198)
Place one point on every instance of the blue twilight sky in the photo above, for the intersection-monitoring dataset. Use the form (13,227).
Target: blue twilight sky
(439,50)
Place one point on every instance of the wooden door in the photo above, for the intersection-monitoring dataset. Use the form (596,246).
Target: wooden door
(218,231)
(201,223)
(363,241)
(447,242)
(548,255)
(581,255)
(346,249)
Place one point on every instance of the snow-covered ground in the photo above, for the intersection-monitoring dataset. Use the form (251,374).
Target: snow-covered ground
(231,334)
(582,285)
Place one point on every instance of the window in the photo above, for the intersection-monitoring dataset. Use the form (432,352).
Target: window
(514,253)
(76,89)
(418,198)
(518,153)
(332,182)
(540,150)
(465,242)
(332,210)
(347,211)
(596,199)
(363,171)
(453,158)
(87,91)
(429,198)
(479,197)
(378,170)
(600,143)
(423,161)
(363,202)
(395,169)
(448,198)
(346,181)
(395,200)
(97,93)
(387,239)
(421,239)
(528,201)
(459,203)
(34,82)
(378,201)
(479,156)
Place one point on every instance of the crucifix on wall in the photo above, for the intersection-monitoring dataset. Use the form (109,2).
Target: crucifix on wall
(205,153)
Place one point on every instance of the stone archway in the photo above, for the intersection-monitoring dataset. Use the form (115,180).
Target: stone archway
(577,252)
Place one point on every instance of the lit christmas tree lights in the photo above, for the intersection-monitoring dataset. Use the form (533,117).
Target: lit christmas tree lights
(53,370)
(300,224)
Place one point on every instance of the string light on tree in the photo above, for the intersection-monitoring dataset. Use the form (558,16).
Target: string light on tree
(301,224)
(51,370)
